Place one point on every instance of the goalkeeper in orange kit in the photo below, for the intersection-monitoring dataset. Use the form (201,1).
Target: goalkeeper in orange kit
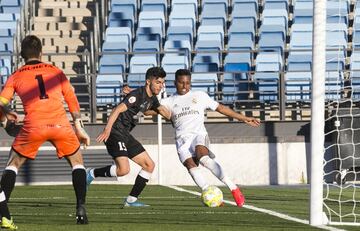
(42,88)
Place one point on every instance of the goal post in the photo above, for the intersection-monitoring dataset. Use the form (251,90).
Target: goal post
(335,137)
(318,112)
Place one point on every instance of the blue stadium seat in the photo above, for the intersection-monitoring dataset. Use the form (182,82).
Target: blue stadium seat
(303,12)
(147,46)
(171,64)
(268,65)
(108,89)
(208,62)
(6,44)
(149,34)
(235,82)
(154,5)
(140,64)
(211,33)
(119,35)
(193,3)
(11,6)
(337,11)
(183,47)
(183,15)
(333,85)
(297,86)
(152,19)
(112,64)
(5,69)
(205,82)
(246,9)
(214,14)
(124,6)
(122,19)
(243,25)
(8,21)
(241,41)
(355,74)
(180,33)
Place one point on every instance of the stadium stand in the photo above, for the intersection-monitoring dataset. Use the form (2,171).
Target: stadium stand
(239,51)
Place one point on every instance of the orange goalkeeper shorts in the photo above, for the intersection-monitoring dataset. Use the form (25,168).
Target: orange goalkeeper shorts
(29,140)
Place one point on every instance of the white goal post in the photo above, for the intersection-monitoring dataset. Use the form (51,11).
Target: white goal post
(317,113)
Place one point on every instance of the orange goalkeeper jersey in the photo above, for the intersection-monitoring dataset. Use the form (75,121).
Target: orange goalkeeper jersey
(42,88)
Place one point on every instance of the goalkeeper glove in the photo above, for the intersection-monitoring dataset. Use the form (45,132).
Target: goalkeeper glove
(81,133)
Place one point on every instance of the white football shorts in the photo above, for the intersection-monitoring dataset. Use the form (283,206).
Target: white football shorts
(186,144)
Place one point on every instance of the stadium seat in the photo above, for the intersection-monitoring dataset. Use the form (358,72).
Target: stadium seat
(214,33)
(154,5)
(193,3)
(124,6)
(108,89)
(150,19)
(11,6)
(179,33)
(183,47)
(171,64)
(297,86)
(241,41)
(236,66)
(268,66)
(206,62)
(245,9)
(214,14)
(205,82)
(119,34)
(183,15)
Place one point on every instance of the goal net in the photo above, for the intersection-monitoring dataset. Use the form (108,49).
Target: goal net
(341,192)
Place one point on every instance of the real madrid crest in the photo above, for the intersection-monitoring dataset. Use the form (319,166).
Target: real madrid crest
(194,101)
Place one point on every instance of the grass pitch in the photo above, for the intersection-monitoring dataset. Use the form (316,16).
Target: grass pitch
(53,208)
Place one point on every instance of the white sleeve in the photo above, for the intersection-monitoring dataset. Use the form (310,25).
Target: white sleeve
(166,102)
(208,102)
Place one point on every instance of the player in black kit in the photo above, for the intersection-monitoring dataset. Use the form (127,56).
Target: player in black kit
(121,145)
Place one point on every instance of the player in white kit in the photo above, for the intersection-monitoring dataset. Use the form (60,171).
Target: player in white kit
(192,142)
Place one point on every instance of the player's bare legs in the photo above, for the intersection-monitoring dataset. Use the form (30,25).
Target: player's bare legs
(202,154)
(147,164)
(79,184)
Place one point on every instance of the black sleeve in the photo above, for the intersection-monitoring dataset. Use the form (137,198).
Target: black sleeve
(155,103)
(131,99)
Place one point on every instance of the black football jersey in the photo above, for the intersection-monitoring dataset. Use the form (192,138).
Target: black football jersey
(136,101)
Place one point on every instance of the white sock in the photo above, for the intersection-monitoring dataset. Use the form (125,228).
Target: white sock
(198,177)
(216,169)
(131,199)
(113,170)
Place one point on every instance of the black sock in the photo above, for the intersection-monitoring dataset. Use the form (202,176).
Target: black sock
(139,186)
(103,172)
(8,182)
(79,183)
(4,209)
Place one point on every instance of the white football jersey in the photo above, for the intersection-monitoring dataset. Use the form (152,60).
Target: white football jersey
(187,111)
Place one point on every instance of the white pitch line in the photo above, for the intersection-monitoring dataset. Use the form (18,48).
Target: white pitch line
(95,197)
(267,211)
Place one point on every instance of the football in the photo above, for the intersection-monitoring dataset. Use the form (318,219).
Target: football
(212,196)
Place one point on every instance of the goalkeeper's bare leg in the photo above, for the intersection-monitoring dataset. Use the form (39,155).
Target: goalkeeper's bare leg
(202,154)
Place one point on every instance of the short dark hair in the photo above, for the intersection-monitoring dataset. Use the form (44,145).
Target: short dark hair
(155,72)
(31,47)
(182,72)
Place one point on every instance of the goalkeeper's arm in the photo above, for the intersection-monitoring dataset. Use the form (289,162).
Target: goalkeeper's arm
(80,132)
